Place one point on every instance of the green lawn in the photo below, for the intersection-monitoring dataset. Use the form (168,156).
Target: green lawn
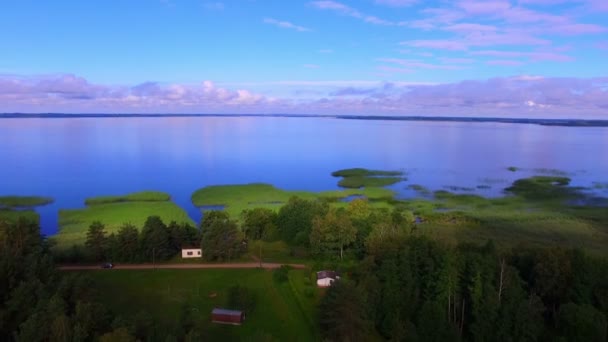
(74,223)
(283,311)
(24,201)
(237,198)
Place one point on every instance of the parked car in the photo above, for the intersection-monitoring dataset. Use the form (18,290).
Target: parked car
(107,265)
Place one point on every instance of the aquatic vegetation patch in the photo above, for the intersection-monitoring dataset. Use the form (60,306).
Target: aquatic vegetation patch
(459,188)
(600,185)
(544,187)
(361,172)
(420,190)
(361,178)
(550,172)
(357,182)
(143,196)
(24,201)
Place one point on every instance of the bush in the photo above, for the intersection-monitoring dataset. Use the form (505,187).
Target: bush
(280,275)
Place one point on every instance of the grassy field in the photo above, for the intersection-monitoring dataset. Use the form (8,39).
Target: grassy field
(74,223)
(283,311)
(144,196)
(277,251)
(236,198)
(24,201)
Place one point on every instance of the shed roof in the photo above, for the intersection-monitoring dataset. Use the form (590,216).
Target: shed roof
(218,311)
(327,274)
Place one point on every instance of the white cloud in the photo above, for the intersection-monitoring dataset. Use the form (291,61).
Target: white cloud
(286,24)
(522,95)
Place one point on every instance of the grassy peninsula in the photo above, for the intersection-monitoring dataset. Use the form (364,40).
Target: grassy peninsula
(24,201)
(14,207)
(114,211)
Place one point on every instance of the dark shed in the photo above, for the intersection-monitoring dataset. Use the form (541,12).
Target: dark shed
(224,316)
(327,274)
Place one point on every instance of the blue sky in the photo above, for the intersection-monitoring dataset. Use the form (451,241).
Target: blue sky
(401,57)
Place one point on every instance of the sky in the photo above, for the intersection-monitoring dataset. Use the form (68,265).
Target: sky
(519,58)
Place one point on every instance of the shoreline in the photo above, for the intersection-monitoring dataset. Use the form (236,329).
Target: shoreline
(541,121)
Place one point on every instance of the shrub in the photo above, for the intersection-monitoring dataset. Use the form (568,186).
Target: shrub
(280,274)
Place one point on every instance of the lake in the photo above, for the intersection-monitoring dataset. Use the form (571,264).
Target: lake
(70,159)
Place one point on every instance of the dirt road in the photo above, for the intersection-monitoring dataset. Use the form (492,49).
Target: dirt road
(177,266)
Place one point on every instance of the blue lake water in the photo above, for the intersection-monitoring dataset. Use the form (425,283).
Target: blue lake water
(71,159)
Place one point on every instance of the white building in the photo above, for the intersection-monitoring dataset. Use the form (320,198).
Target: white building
(192,253)
(326,278)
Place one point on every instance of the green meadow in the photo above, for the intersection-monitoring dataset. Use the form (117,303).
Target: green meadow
(283,311)
(115,211)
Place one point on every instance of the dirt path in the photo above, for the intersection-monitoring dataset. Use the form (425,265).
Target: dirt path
(177,266)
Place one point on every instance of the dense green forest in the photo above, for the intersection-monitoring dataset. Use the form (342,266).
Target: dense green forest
(398,283)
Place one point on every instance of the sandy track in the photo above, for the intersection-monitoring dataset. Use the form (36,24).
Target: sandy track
(177,266)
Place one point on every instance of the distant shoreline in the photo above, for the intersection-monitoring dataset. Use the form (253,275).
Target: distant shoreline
(542,122)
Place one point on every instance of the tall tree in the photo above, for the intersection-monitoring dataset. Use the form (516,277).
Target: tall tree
(295,219)
(127,242)
(332,232)
(341,315)
(96,240)
(259,224)
(155,240)
(221,239)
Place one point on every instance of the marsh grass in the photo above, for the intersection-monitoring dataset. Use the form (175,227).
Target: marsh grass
(526,219)
(143,196)
(24,201)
